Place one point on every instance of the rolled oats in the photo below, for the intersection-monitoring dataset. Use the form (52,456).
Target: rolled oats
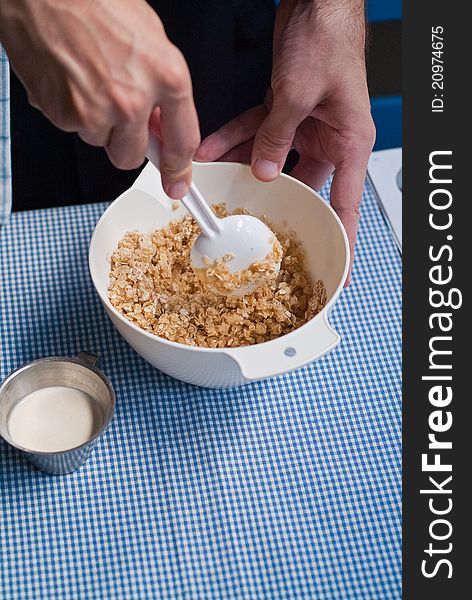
(152,283)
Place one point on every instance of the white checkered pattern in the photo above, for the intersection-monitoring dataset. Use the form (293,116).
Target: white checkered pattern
(286,488)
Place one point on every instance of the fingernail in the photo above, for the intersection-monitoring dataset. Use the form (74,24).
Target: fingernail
(199,155)
(266,169)
(177,190)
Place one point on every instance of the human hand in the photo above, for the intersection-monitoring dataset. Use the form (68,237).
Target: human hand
(107,70)
(318,103)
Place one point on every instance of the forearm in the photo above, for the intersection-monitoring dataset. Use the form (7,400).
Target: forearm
(326,9)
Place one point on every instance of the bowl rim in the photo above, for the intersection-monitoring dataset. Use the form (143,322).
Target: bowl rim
(228,351)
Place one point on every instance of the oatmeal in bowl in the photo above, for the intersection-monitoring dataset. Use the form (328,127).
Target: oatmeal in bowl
(171,317)
(153,284)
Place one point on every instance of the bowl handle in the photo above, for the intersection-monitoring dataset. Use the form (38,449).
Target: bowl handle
(288,352)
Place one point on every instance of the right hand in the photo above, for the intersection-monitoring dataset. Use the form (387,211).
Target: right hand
(106,70)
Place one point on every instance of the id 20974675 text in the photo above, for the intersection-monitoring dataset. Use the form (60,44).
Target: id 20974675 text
(437,68)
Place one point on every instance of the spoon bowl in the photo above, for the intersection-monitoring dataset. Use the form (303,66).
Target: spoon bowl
(244,239)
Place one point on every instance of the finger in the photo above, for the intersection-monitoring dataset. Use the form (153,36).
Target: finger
(232,134)
(128,144)
(180,134)
(241,153)
(155,122)
(272,143)
(312,172)
(346,195)
(97,137)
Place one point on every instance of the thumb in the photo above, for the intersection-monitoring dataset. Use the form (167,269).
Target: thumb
(272,143)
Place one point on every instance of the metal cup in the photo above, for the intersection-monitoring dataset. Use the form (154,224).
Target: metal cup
(80,373)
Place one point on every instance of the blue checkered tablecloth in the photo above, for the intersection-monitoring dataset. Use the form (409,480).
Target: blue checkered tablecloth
(287,488)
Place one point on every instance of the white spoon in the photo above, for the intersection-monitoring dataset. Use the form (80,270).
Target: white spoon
(243,237)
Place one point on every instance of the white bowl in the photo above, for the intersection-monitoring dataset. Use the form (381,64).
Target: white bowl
(286,202)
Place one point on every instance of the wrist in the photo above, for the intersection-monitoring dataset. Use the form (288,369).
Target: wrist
(334,25)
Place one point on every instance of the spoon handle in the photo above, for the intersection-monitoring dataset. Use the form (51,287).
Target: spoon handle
(200,210)
(193,200)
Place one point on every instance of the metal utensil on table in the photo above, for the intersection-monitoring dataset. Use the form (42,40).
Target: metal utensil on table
(80,373)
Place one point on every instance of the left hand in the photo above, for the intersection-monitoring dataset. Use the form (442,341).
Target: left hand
(318,103)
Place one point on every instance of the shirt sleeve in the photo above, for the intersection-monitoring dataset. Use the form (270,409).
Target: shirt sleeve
(5,158)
